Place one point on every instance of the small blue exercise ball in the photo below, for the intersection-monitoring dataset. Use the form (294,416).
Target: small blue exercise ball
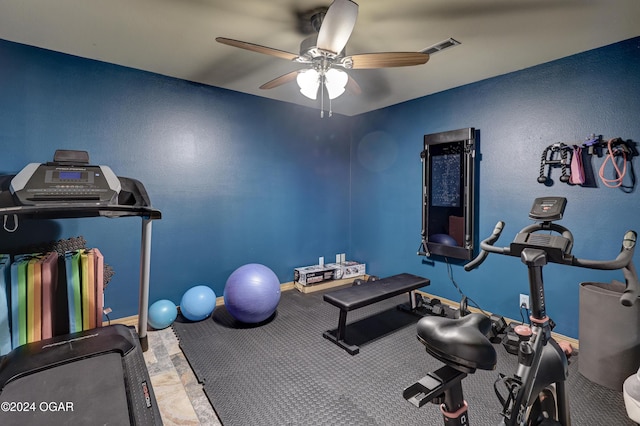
(445,239)
(252,293)
(198,303)
(162,314)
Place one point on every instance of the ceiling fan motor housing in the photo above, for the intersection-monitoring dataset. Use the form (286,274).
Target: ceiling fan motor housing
(309,49)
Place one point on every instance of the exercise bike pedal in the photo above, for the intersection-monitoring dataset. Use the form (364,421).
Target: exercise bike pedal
(433,386)
(498,326)
(514,335)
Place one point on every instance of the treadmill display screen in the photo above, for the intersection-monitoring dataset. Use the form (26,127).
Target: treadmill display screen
(64,176)
(70,175)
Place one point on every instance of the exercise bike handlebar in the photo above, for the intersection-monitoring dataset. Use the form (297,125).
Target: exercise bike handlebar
(623,261)
(486,247)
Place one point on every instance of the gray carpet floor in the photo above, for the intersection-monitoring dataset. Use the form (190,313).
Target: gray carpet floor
(283,372)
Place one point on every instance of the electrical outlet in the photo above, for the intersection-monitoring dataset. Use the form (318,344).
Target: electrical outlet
(524,301)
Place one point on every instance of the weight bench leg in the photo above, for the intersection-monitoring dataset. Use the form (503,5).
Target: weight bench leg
(341,332)
(338,335)
(412,305)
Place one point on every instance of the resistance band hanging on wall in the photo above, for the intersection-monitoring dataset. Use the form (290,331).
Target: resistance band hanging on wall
(576,176)
(575,162)
(614,154)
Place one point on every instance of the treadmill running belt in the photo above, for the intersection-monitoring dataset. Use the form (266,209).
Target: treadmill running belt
(68,395)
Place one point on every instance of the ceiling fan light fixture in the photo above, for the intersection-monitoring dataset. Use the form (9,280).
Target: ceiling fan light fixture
(308,81)
(335,81)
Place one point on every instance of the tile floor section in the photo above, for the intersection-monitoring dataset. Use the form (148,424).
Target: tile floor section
(179,395)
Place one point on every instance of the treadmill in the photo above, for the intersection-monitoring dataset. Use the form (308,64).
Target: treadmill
(95,376)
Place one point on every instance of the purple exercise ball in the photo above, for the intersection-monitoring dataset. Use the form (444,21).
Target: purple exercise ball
(445,239)
(252,293)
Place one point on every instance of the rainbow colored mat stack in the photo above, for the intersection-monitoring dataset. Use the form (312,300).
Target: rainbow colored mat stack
(46,294)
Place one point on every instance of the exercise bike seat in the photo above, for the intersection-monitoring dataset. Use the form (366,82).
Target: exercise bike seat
(460,343)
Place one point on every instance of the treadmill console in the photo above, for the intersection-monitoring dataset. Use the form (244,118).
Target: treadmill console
(69,179)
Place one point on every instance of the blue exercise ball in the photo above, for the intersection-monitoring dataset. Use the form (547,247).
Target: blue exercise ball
(162,314)
(445,239)
(198,303)
(252,293)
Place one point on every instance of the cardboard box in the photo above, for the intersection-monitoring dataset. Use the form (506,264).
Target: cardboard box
(313,274)
(325,285)
(347,269)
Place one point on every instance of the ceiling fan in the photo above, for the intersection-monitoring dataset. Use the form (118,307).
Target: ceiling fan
(325,57)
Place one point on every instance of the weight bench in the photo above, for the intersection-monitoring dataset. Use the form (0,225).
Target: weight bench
(359,296)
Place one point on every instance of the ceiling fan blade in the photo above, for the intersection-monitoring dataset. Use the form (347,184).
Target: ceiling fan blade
(257,48)
(353,87)
(337,26)
(386,60)
(279,81)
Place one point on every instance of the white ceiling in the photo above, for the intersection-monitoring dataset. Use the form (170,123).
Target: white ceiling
(177,38)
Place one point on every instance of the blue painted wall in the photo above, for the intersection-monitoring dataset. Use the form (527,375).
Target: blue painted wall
(239,179)
(517,116)
(243,179)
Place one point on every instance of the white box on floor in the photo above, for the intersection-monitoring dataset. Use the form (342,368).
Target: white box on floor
(348,269)
(313,274)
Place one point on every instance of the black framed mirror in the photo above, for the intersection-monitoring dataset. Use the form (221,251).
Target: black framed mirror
(448,201)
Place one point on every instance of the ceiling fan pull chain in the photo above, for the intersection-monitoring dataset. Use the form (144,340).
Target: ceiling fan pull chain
(321,102)
(322,95)
(330,103)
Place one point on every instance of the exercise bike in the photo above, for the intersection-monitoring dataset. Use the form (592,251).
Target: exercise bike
(536,393)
